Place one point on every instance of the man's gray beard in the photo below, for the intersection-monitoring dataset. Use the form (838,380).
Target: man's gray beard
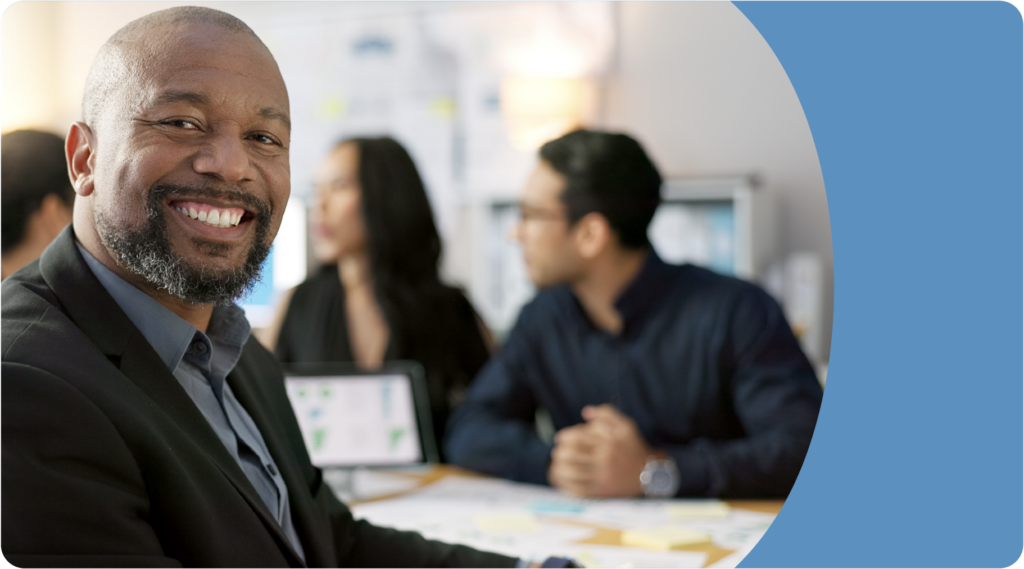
(146,252)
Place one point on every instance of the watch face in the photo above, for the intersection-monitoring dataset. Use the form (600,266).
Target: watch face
(661,480)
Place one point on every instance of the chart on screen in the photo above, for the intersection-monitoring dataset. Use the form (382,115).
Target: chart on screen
(356,420)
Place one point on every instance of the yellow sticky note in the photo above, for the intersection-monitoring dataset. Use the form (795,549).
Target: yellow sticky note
(699,510)
(442,107)
(664,537)
(333,107)
(586,559)
(511,522)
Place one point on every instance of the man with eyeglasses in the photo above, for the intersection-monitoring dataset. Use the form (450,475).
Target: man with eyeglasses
(661,380)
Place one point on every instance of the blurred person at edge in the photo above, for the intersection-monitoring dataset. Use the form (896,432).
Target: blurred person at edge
(661,380)
(378,296)
(37,195)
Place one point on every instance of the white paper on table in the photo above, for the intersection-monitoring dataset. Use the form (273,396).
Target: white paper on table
(364,484)
(460,522)
(513,543)
(626,514)
(408,514)
(741,528)
(593,555)
(448,511)
(690,509)
(734,558)
(730,532)
(507,522)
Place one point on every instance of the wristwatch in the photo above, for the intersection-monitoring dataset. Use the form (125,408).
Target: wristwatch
(660,477)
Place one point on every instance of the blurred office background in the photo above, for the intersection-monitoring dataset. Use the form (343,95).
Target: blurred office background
(472,89)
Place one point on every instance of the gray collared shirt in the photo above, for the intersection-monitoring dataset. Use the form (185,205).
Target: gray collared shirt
(201,362)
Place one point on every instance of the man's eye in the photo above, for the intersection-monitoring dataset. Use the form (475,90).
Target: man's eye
(181,123)
(264,139)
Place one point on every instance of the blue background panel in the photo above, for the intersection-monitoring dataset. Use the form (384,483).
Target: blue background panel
(263,293)
(915,109)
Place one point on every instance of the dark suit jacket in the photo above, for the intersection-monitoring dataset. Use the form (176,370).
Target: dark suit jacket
(107,461)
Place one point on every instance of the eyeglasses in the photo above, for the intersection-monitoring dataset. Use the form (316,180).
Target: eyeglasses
(530,213)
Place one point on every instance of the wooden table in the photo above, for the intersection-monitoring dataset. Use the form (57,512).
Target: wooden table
(603,535)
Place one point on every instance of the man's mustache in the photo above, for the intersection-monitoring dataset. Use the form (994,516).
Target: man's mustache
(251,203)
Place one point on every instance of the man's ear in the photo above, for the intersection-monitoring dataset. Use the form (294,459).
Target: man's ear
(79,148)
(593,234)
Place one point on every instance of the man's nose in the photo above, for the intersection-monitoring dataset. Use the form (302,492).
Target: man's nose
(226,157)
(515,230)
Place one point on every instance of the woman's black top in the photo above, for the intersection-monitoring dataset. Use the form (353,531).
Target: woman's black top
(435,326)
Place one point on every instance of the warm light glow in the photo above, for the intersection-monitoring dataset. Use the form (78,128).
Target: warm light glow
(548,88)
(566,39)
(550,56)
(29,79)
(539,110)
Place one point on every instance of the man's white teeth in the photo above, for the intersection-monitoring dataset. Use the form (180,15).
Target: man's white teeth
(216,218)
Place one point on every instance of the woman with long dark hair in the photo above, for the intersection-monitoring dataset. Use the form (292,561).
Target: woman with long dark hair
(378,296)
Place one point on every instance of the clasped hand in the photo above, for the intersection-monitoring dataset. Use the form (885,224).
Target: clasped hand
(602,457)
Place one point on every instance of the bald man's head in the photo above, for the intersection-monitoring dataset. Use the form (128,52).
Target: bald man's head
(181,162)
(139,42)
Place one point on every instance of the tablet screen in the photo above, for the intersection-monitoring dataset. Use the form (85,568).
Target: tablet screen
(357,420)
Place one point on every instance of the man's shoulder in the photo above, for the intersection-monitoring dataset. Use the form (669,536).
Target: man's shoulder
(707,296)
(38,332)
(706,284)
(24,285)
(27,302)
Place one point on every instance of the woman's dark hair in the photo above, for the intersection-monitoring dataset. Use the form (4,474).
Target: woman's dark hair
(610,174)
(33,166)
(403,242)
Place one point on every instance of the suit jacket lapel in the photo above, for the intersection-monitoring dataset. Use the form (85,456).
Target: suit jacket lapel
(282,450)
(138,363)
(98,315)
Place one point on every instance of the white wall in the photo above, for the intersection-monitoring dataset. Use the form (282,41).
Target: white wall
(697,84)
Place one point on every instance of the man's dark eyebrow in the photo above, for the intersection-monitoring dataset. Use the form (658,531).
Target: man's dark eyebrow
(269,113)
(168,97)
(179,96)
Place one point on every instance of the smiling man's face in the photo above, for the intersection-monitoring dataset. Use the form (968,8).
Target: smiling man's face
(190,163)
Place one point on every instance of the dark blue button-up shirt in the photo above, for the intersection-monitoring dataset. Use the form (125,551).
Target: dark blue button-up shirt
(706,366)
(201,362)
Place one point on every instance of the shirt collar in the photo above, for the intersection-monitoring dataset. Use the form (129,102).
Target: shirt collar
(641,295)
(228,331)
(168,333)
(634,302)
